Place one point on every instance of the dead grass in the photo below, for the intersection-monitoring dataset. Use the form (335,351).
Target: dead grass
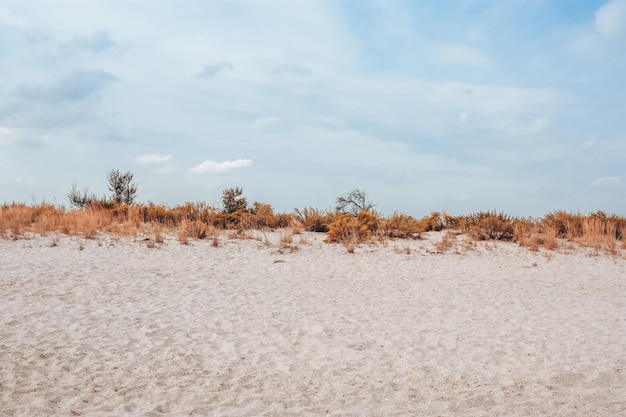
(598,231)
(447,242)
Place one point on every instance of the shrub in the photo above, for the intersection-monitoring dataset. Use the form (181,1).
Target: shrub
(402,226)
(434,222)
(196,229)
(80,199)
(233,200)
(122,186)
(314,220)
(349,230)
(354,202)
(264,216)
(346,230)
(488,226)
(567,225)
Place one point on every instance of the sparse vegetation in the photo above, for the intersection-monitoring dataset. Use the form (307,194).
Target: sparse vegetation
(90,216)
(354,202)
(233,200)
(122,186)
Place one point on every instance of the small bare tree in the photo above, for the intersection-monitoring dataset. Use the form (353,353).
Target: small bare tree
(81,199)
(233,200)
(122,186)
(353,202)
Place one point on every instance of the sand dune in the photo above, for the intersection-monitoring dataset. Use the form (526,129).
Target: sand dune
(111,327)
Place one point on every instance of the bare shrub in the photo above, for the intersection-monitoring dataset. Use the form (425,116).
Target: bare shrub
(354,202)
(81,198)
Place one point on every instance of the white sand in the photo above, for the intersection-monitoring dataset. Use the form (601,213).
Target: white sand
(123,329)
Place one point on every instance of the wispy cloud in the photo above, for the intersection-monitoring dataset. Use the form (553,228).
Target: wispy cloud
(211,71)
(610,19)
(606,182)
(75,86)
(461,54)
(216,167)
(21,180)
(296,70)
(152,158)
(589,143)
(515,128)
(38,35)
(261,122)
(97,42)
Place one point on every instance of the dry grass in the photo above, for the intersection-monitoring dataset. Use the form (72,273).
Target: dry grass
(314,220)
(488,226)
(534,235)
(598,231)
(447,242)
(402,226)
(350,230)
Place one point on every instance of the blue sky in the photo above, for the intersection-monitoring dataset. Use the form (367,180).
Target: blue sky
(456,106)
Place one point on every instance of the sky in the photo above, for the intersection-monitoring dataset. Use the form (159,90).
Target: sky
(435,105)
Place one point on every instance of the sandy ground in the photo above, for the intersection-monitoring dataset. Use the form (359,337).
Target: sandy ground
(111,327)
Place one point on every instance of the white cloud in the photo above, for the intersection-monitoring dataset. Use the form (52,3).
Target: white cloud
(262,122)
(6,135)
(464,116)
(21,180)
(611,19)
(589,143)
(514,128)
(606,182)
(216,167)
(152,158)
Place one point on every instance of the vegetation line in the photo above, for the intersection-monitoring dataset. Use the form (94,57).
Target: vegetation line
(353,221)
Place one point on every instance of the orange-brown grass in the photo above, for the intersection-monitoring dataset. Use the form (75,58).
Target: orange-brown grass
(598,230)
(350,230)
(295,227)
(447,241)
(347,230)
(567,225)
(488,226)
(533,234)
(314,220)
(434,222)
(401,226)
(599,233)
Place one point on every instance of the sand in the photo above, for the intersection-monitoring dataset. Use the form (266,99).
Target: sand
(111,327)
